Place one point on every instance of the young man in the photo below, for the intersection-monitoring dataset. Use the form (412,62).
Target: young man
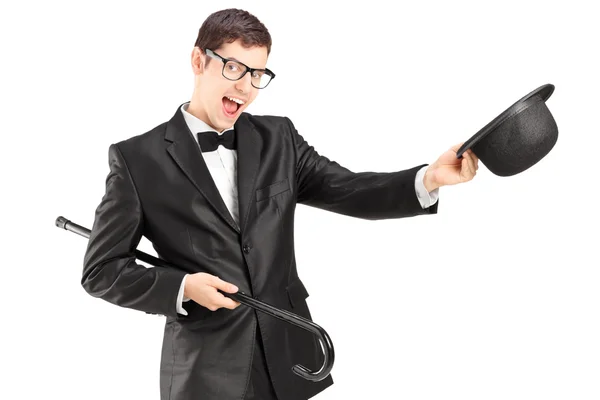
(223,211)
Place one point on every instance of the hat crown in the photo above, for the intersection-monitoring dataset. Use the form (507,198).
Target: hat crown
(519,137)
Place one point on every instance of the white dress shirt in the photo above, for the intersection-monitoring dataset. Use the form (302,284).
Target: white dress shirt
(222,165)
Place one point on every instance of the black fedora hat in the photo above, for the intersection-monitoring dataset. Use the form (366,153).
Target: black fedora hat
(519,137)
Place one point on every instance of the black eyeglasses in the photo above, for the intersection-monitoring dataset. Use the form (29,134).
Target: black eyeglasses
(235,70)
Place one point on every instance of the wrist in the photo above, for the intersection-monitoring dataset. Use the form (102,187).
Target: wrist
(429,181)
(185,287)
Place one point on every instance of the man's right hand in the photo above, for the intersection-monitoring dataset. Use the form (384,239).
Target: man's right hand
(202,288)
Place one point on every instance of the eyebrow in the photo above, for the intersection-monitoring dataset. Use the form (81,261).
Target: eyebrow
(235,59)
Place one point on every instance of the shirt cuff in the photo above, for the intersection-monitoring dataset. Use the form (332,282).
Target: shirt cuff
(181,298)
(427,199)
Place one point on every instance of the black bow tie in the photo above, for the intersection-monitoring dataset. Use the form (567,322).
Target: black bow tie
(210,141)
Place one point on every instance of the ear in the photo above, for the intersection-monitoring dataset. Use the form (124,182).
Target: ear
(198,58)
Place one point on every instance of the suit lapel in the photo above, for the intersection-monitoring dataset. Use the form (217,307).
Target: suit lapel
(186,153)
(249,148)
(184,150)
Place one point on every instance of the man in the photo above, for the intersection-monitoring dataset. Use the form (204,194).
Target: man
(223,212)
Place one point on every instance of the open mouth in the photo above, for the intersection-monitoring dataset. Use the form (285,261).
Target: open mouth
(231,106)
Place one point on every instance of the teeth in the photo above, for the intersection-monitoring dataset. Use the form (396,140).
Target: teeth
(241,102)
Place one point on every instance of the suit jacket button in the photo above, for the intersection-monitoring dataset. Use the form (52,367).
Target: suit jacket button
(246,248)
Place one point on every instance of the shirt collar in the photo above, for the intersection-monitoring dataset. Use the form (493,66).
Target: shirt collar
(196,124)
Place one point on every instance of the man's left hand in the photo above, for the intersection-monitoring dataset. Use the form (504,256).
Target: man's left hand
(449,170)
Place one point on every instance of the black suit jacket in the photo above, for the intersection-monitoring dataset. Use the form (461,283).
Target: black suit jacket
(159,187)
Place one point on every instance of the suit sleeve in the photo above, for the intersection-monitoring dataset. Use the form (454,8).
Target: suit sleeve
(325,184)
(110,271)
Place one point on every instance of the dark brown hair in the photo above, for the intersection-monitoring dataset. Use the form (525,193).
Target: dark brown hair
(227,26)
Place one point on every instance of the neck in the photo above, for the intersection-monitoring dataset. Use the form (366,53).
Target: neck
(197,111)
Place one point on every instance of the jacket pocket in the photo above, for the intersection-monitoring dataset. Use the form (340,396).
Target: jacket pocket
(297,293)
(272,190)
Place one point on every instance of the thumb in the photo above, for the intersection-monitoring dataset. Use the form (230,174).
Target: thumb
(455,148)
(224,286)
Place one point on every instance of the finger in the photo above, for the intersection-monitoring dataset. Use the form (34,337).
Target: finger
(473,164)
(476,160)
(226,302)
(230,304)
(224,286)
(464,166)
(468,167)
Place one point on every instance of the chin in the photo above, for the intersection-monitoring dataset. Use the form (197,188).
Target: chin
(226,122)
(223,123)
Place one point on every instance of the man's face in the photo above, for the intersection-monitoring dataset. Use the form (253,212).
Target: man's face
(221,101)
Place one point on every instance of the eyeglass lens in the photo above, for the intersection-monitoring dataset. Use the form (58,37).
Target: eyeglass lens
(234,71)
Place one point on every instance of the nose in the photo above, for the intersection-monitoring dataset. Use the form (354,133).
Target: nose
(244,85)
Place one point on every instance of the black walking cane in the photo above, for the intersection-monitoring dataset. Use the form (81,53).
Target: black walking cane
(243,298)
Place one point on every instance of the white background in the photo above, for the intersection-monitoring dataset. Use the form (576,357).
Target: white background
(495,297)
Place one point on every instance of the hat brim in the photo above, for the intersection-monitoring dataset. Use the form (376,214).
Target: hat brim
(543,92)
